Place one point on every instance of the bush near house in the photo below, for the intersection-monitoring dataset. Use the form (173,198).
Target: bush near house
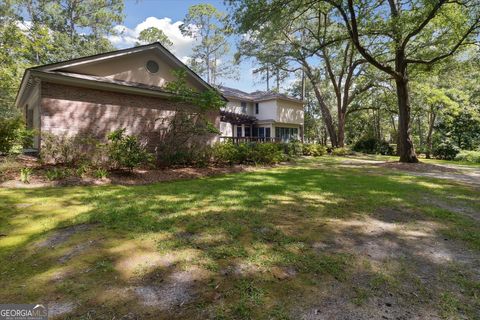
(126,151)
(247,153)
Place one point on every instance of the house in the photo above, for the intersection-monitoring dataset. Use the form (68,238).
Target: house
(264,116)
(124,89)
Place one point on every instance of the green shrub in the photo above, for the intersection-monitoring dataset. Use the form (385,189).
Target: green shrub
(62,149)
(373,146)
(445,151)
(293,148)
(314,150)
(468,156)
(125,151)
(341,152)
(246,153)
(13,133)
(265,153)
(25,174)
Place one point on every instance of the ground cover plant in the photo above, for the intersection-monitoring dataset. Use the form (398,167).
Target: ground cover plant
(324,238)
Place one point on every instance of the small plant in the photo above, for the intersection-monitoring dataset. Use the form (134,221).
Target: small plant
(57,174)
(25,174)
(82,170)
(100,173)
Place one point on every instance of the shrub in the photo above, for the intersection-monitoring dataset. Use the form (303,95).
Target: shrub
(468,156)
(25,175)
(341,152)
(13,133)
(373,146)
(445,151)
(242,153)
(314,150)
(125,151)
(62,149)
(293,148)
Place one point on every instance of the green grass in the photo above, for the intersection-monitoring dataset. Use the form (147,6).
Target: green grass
(236,229)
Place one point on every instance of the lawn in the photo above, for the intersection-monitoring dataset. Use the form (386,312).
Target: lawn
(319,239)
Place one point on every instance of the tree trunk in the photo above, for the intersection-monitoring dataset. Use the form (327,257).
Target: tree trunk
(406,148)
(326,115)
(341,130)
(431,122)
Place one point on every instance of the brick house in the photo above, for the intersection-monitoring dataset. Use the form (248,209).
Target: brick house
(98,94)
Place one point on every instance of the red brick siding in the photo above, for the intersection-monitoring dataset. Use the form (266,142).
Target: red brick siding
(74,110)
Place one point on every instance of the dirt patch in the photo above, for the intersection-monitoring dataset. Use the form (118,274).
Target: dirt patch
(62,235)
(56,310)
(76,250)
(417,167)
(179,288)
(453,206)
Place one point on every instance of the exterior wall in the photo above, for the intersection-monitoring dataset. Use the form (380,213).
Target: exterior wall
(236,106)
(289,112)
(67,110)
(267,110)
(132,68)
(32,109)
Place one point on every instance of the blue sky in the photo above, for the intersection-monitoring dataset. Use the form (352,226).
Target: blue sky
(168,15)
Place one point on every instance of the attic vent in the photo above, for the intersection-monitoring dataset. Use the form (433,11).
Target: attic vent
(152,66)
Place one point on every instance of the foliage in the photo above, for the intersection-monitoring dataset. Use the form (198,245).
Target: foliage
(373,146)
(184,135)
(446,151)
(341,152)
(125,151)
(468,156)
(25,175)
(314,150)
(73,150)
(247,153)
(100,173)
(208,26)
(13,133)
(293,148)
(153,34)
(57,173)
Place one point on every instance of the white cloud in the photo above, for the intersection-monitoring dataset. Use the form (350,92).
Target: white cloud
(182,45)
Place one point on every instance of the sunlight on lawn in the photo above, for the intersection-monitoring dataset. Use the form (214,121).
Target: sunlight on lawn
(247,245)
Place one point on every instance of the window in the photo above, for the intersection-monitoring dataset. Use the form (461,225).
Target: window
(286,134)
(247,131)
(256,108)
(152,66)
(261,132)
(267,132)
(244,107)
(239,131)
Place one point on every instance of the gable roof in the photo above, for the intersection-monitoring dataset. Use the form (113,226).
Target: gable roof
(256,96)
(41,71)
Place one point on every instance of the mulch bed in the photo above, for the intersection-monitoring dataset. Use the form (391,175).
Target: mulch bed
(10,178)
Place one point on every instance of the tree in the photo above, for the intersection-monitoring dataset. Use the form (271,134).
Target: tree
(293,38)
(395,35)
(208,26)
(153,34)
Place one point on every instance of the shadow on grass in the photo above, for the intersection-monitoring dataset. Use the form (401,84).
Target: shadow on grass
(250,237)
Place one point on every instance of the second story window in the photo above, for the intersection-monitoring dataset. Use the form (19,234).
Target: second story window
(256,108)
(244,107)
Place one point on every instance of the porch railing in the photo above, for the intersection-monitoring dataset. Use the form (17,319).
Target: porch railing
(237,140)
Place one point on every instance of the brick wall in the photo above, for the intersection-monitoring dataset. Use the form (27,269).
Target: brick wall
(73,110)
